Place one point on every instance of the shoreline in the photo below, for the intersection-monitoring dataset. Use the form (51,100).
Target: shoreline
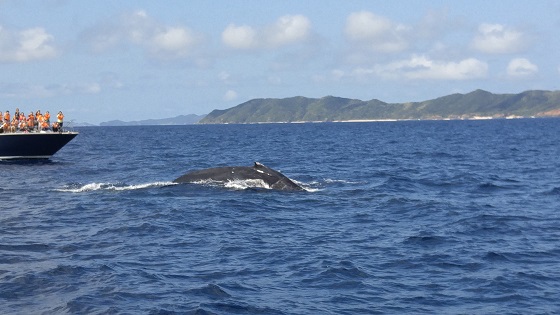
(382,120)
(481,118)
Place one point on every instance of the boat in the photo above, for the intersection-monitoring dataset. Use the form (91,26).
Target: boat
(33,145)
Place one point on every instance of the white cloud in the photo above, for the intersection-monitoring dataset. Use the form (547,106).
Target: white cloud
(376,32)
(117,31)
(497,39)
(174,42)
(224,76)
(424,68)
(230,95)
(421,67)
(30,91)
(138,28)
(274,80)
(24,91)
(521,67)
(287,30)
(93,88)
(366,25)
(27,45)
(239,37)
(434,24)
(337,74)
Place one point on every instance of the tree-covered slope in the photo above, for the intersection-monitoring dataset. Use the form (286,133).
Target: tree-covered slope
(455,106)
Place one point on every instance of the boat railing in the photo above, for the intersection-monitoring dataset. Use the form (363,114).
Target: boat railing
(68,126)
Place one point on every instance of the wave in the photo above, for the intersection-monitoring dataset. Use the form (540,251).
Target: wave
(319,185)
(553,191)
(313,186)
(244,184)
(79,188)
(235,184)
(309,187)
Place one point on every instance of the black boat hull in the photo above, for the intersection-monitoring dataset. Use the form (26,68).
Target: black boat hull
(35,145)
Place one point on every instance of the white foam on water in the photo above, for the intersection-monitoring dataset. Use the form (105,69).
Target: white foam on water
(241,184)
(341,181)
(246,184)
(234,184)
(78,188)
(307,186)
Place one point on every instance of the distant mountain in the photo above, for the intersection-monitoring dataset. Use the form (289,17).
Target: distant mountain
(179,120)
(80,124)
(477,104)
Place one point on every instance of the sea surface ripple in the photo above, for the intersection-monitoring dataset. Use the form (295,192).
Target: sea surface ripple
(412,217)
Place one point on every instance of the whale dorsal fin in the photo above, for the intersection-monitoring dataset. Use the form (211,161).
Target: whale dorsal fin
(257,165)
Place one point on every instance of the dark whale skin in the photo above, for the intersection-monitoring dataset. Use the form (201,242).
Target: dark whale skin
(274,179)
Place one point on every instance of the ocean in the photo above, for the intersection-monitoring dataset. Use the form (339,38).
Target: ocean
(407,217)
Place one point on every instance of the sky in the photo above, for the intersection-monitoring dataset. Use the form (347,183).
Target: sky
(133,60)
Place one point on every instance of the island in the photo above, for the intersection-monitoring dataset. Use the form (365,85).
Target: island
(478,104)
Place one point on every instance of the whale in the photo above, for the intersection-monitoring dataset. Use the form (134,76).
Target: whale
(272,178)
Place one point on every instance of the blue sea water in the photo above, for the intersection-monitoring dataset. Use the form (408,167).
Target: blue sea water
(412,217)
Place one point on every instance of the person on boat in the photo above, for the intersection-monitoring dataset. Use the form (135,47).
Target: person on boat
(55,127)
(7,117)
(60,120)
(14,124)
(38,118)
(6,126)
(22,125)
(16,114)
(43,125)
(21,116)
(30,121)
(47,117)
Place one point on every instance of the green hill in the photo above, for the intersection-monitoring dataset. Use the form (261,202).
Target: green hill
(472,105)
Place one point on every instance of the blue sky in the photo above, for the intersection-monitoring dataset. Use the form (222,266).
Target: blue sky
(132,60)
